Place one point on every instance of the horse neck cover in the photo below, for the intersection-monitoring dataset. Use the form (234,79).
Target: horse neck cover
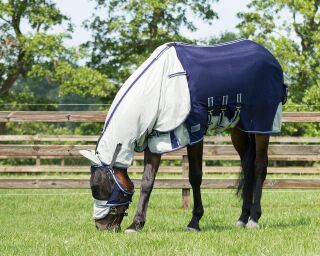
(181,90)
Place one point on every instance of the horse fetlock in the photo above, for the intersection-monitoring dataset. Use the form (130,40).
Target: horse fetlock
(198,213)
(244,217)
(255,215)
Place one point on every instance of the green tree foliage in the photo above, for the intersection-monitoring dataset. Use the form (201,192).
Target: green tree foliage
(291,29)
(37,53)
(223,38)
(132,29)
(36,67)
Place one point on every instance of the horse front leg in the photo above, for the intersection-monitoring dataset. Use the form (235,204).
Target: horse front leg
(151,166)
(195,179)
(260,173)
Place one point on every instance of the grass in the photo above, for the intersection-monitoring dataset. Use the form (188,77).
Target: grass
(58,222)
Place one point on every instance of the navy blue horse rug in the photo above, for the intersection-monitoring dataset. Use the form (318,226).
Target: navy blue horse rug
(183,90)
(240,83)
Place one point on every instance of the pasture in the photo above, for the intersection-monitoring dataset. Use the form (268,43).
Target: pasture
(58,222)
(52,221)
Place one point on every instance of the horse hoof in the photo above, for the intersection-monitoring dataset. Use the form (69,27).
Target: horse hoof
(193,225)
(130,231)
(134,227)
(252,225)
(192,229)
(240,224)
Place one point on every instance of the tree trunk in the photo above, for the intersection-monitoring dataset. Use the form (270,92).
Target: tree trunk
(8,83)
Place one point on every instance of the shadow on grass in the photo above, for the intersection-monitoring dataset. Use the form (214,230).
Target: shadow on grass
(299,222)
(216,228)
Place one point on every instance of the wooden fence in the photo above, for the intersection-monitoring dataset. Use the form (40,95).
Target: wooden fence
(297,149)
(99,116)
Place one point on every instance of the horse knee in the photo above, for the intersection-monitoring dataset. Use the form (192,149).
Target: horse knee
(146,187)
(148,179)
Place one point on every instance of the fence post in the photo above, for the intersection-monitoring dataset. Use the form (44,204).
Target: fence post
(38,161)
(185,174)
(38,158)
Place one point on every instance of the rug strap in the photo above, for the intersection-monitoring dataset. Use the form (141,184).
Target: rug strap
(236,117)
(223,109)
(210,109)
(116,152)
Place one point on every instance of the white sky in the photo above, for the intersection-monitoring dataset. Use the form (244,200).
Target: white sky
(80,10)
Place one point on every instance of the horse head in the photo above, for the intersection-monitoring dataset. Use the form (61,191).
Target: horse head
(111,199)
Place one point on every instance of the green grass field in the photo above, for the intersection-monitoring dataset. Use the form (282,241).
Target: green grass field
(58,222)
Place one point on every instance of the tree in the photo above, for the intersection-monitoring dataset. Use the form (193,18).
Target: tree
(223,38)
(291,29)
(39,54)
(32,55)
(19,51)
(132,29)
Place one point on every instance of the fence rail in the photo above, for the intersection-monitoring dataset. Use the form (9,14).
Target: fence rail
(159,183)
(210,152)
(38,147)
(219,139)
(19,169)
(99,116)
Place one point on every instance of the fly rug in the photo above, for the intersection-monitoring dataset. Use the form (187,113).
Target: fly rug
(169,103)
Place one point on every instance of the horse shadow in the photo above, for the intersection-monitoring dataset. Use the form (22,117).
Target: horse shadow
(297,222)
(217,228)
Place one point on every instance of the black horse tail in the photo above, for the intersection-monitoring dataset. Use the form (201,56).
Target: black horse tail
(247,165)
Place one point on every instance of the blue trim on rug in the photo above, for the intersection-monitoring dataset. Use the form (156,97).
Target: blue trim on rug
(174,140)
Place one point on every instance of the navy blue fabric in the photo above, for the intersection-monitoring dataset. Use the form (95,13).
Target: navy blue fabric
(119,197)
(240,67)
(174,140)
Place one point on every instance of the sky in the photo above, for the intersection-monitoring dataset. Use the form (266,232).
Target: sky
(80,10)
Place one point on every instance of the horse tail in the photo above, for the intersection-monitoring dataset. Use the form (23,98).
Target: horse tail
(247,165)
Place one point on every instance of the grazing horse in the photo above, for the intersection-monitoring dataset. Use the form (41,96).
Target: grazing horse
(169,103)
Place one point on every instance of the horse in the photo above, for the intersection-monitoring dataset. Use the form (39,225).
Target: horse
(169,103)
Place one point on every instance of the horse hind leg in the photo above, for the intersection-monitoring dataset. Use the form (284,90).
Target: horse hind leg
(195,179)
(151,166)
(245,146)
(260,173)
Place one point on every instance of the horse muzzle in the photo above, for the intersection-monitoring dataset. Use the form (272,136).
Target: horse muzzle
(112,221)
